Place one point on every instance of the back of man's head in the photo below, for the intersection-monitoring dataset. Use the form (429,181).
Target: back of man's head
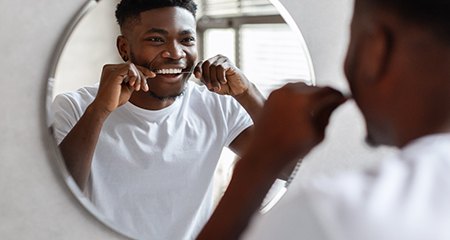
(431,14)
(130,9)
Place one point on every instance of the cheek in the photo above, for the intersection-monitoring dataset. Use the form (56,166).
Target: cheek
(350,69)
(347,63)
(192,54)
(144,57)
(354,80)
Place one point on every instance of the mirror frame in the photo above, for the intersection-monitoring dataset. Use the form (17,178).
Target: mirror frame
(69,181)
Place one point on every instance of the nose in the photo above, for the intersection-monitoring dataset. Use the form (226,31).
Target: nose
(174,51)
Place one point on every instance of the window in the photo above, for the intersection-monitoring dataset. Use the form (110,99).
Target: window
(256,38)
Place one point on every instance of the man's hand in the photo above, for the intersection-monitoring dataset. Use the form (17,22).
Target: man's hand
(293,121)
(220,75)
(117,83)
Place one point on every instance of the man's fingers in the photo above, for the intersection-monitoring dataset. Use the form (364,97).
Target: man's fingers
(213,77)
(206,74)
(198,70)
(322,111)
(145,75)
(116,74)
(221,75)
(131,80)
(138,76)
(221,69)
(146,72)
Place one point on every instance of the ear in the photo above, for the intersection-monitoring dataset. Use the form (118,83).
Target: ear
(379,52)
(123,47)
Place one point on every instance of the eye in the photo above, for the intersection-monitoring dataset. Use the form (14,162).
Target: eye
(188,40)
(154,39)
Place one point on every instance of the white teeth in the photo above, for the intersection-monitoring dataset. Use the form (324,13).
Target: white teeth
(169,71)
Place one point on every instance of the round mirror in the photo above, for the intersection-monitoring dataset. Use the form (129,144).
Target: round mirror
(164,183)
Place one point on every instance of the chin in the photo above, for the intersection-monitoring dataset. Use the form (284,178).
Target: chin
(371,141)
(167,89)
(378,138)
(164,95)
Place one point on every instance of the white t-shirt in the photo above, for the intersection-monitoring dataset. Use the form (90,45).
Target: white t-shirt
(152,171)
(407,196)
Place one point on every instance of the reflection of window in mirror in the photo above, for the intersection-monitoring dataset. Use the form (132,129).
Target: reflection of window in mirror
(255,36)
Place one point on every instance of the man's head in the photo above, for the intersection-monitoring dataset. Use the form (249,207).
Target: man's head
(160,35)
(130,9)
(432,14)
(398,68)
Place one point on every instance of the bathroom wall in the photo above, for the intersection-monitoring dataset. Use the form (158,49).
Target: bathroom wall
(35,202)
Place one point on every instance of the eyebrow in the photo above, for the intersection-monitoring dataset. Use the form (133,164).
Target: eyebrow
(165,32)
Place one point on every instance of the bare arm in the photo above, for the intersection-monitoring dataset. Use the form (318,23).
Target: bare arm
(292,122)
(241,200)
(252,101)
(220,75)
(79,145)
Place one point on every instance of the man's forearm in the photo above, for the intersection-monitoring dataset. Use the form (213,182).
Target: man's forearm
(252,179)
(252,101)
(78,146)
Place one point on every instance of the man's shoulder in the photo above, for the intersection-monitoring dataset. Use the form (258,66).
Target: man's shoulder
(84,94)
(198,91)
(195,87)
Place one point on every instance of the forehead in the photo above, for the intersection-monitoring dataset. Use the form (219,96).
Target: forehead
(168,18)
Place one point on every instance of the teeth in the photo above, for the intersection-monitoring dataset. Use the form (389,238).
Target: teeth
(169,71)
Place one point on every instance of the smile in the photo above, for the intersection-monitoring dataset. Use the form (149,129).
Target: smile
(169,71)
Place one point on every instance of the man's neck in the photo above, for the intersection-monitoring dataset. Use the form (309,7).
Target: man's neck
(149,101)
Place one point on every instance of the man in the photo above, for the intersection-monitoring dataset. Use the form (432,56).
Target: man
(144,143)
(398,70)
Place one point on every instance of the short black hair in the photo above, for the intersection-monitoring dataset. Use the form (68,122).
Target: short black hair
(127,9)
(432,14)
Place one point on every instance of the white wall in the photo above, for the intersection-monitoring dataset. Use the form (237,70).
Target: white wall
(35,203)
(81,64)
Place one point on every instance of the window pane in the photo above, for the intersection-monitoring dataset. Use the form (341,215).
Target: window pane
(271,56)
(236,7)
(220,41)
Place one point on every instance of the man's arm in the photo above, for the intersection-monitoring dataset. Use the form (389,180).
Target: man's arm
(292,122)
(78,146)
(220,75)
(252,101)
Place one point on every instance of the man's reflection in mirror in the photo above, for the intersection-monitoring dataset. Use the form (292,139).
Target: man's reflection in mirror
(144,142)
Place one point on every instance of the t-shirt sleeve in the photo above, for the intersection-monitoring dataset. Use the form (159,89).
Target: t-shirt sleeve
(65,116)
(237,120)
